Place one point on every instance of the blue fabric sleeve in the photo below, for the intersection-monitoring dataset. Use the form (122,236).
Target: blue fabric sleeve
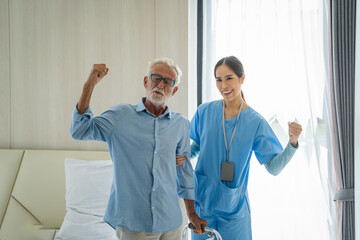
(266,145)
(185,178)
(195,150)
(277,164)
(194,128)
(86,127)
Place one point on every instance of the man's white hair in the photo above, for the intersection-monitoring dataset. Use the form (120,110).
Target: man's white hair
(169,62)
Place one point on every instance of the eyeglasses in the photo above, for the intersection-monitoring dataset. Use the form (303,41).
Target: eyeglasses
(157,79)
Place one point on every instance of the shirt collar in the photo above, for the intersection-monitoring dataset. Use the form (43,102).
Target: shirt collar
(141,107)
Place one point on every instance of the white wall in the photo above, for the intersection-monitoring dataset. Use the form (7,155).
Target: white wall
(47,49)
(5,77)
(192,53)
(171,39)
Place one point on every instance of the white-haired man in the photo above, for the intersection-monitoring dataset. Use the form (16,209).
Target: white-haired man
(143,141)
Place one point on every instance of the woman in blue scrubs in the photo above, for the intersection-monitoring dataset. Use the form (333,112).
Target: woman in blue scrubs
(225,133)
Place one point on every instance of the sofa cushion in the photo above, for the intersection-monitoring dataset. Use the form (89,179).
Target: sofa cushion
(19,224)
(9,166)
(40,185)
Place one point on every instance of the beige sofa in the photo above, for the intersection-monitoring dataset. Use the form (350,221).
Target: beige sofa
(32,191)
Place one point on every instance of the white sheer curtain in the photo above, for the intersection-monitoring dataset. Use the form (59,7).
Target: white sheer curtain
(281,45)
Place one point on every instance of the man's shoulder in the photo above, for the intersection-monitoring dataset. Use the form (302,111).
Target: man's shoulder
(123,107)
(178,117)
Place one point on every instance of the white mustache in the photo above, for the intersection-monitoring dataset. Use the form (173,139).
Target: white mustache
(156,89)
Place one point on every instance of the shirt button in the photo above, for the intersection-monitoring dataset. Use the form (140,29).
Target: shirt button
(154,170)
(153,189)
(153,208)
(155,151)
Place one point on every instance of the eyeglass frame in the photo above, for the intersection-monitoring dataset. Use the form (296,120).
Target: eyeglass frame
(162,79)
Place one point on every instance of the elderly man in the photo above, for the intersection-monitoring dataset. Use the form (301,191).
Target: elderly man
(143,141)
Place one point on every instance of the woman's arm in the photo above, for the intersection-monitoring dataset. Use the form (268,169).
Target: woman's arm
(277,164)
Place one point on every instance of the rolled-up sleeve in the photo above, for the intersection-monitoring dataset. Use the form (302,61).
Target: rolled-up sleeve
(185,180)
(86,127)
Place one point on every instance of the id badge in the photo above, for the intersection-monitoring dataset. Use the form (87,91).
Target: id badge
(227,171)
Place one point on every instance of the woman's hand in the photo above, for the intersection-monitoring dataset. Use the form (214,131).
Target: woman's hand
(294,132)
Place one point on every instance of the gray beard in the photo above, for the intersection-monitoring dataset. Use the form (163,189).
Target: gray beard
(157,101)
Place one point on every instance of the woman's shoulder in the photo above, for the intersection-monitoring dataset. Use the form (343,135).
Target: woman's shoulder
(210,106)
(252,115)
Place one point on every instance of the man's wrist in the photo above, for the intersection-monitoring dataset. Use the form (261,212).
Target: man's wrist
(190,210)
(192,216)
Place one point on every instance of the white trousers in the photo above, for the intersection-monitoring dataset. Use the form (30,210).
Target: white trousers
(125,234)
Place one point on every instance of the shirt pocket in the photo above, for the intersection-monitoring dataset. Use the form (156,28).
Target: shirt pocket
(216,197)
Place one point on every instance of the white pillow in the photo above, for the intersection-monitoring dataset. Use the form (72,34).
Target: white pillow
(87,193)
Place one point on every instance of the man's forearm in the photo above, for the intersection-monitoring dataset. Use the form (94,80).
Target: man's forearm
(97,73)
(85,98)
(194,218)
(190,209)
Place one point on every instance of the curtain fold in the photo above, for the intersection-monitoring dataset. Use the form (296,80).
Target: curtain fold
(342,85)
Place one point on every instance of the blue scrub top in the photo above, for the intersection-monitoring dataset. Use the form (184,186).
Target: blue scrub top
(253,134)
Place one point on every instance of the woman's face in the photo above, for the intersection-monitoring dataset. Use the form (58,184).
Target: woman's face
(228,83)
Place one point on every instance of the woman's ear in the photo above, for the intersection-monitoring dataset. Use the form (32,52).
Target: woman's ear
(242,79)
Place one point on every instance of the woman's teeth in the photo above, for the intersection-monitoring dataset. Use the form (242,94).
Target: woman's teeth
(227,93)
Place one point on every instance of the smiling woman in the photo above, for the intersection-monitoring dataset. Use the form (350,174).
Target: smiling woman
(222,171)
(281,45)
(236,66)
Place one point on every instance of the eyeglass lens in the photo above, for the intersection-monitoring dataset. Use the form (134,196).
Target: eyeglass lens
(157,79)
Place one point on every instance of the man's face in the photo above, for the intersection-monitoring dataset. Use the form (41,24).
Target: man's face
(158,93)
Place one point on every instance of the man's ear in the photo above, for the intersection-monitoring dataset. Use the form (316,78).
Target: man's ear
(174,91)
(145,81)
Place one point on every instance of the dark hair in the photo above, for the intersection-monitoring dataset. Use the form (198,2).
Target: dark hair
(234,64)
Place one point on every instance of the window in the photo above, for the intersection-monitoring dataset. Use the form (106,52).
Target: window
(282,47)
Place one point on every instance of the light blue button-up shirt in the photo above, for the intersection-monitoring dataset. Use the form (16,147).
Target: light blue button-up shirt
(143,148)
